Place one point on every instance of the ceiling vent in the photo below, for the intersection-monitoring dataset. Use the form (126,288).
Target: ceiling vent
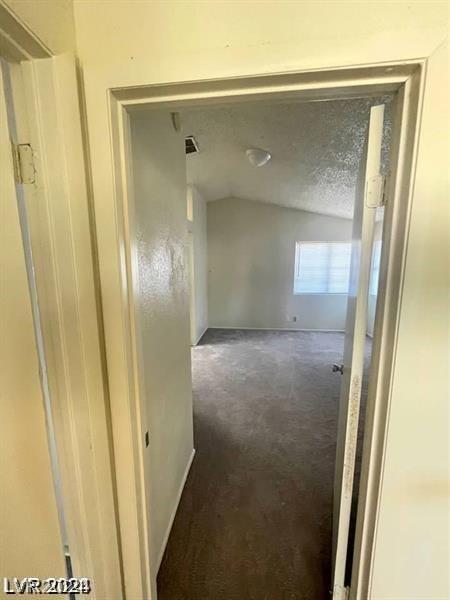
(191,144)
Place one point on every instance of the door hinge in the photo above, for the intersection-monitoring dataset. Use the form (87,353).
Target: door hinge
(376,191)
(24,168)
(341,593)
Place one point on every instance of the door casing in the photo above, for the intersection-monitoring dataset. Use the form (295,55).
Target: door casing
(118,271)
(60,229)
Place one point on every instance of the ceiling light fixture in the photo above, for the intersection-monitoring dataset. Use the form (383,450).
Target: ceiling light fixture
(258,157)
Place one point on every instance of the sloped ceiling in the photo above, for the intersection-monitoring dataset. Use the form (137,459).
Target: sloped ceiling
(316,149)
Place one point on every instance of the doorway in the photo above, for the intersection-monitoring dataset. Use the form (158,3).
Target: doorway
(277,244)
(265,397)
(127,97)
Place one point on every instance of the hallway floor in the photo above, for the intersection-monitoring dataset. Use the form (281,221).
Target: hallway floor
(254,521)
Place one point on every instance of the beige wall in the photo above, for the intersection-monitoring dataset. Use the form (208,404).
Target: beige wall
(162,299)
(280,34)
(52,21)
(199,278)
(251,255)
(148,43)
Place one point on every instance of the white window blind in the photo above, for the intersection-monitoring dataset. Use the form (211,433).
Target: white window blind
(322,267)
(375,269)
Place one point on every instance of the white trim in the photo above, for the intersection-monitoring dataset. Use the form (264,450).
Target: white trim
(133,484)
(17,40)
(174,510)
(280,329)
(392,271)
(65,277)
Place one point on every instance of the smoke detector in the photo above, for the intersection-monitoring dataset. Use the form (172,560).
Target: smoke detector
(258,157)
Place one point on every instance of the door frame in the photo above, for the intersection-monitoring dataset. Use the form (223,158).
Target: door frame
(60,228)
(118,274)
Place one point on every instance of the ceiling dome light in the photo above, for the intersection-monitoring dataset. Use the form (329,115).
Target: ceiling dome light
(258,157)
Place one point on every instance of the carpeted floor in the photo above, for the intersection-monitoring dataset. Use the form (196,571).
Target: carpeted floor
(254,521)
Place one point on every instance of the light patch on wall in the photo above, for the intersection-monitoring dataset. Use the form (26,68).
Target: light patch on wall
(189,205)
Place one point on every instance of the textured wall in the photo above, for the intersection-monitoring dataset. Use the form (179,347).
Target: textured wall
(251,254)
(163,311)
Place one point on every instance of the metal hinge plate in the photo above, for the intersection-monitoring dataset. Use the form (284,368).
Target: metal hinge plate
(375,191)
(341,593)
(24,168)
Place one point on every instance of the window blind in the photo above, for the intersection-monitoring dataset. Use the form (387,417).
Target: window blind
(322,267)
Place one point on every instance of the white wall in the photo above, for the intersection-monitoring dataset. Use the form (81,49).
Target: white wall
(251,255)
(199,270)
(162,297)
(121,45)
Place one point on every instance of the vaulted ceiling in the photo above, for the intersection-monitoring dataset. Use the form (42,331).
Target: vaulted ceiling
(316,149)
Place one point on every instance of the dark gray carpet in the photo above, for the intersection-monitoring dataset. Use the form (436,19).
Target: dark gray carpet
(254,521)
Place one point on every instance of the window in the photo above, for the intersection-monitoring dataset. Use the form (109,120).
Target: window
(375,268)
(322,267)
(190,205)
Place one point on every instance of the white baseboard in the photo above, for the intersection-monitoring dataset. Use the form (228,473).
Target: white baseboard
(280,329)
(200,336)
(174,511)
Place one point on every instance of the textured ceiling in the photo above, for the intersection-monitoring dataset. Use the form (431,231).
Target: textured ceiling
(316,148)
